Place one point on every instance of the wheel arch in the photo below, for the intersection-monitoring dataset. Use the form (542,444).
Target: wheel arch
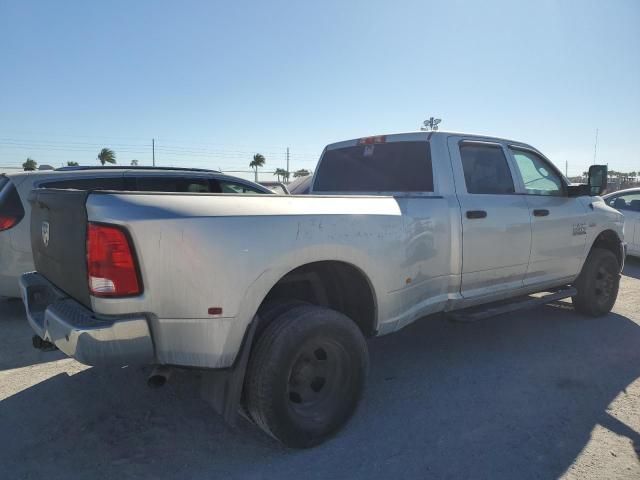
(609,240)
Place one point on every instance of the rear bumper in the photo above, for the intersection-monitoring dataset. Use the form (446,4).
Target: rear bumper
(78,332)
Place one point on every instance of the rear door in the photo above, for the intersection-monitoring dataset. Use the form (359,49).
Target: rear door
(559,222)
(496,226)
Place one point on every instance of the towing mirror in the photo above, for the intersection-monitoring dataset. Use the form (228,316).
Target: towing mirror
(597,179)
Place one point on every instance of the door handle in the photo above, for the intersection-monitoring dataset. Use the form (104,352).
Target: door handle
(543,212)
(476,214)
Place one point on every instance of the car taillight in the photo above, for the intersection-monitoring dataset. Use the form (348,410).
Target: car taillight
(7,222)
(111,264)
(372,140)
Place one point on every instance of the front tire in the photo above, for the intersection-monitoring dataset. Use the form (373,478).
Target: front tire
(306,375)
(598,283)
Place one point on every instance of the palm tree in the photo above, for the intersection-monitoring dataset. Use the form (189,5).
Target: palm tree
(280,172)
(134,163)
(258,161)
(107,155)
(72,164)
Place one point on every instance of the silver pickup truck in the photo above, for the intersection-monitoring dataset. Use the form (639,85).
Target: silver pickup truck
(274,296)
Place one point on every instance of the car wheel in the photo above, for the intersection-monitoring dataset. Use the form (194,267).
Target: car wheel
(598,283)
(306,375)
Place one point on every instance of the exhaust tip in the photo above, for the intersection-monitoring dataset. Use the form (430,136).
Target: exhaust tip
(159,377)
(157,381)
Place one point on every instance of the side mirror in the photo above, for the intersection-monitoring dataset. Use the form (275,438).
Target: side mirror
(597,179)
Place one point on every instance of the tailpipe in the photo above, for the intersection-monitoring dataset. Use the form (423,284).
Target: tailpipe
(159,376)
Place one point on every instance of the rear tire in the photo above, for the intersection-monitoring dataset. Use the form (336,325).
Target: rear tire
(306,375)
(598,283)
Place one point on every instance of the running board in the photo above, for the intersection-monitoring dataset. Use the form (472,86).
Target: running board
(473,314)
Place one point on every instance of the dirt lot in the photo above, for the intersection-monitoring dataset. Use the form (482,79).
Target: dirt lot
(539,394)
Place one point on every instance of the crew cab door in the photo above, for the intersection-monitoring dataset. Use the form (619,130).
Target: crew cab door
(496,226)
(559,222)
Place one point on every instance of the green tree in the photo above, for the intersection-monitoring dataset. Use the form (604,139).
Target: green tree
(257,162)
(107,155)
(134,163)
(280,172)
(301,173)
(72,164)
(30,165)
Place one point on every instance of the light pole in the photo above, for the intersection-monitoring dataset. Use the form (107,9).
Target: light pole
(431,124)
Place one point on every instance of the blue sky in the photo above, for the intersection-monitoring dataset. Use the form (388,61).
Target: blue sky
(214,82)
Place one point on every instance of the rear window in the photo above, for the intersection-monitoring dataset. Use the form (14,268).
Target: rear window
(381,167)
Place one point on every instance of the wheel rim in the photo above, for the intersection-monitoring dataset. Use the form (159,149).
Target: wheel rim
(604,284)
(317,380)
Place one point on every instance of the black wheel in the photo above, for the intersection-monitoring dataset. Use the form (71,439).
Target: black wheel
(306,375)
(598,283)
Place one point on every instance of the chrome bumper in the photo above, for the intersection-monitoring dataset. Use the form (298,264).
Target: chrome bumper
(78,332)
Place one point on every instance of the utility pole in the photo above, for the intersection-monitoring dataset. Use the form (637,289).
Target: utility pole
(287,164)
(595,148)
(153,150)
(566,168)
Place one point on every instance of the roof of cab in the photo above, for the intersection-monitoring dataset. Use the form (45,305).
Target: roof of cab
(424,136)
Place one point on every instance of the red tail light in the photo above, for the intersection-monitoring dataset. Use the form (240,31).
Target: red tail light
(111,264)
(372,140)
(7,222)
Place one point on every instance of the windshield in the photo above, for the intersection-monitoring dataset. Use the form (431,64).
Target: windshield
(383,167)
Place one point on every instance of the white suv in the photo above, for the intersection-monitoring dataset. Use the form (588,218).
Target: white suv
(15,242)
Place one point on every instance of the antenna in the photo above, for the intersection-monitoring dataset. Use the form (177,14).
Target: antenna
(595,148)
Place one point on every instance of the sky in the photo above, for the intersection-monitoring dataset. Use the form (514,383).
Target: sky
(215,82)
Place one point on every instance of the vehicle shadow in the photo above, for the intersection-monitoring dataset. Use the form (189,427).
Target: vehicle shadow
(632,267)
(515,396)
(16,349)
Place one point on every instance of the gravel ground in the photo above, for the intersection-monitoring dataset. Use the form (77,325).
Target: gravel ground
(538,394)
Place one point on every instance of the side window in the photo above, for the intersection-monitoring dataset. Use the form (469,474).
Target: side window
(167,183)
(629,202)
(233,187)
(537,175)
(486,170)
(105,183)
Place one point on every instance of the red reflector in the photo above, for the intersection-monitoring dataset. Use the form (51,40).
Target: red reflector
(215,311)
(7,221)
(110,262)
(372,140)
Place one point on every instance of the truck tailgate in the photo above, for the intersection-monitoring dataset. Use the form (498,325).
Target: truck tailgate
(58,239)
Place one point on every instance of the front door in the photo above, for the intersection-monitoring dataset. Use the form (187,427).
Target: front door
(559,222)
(496,226)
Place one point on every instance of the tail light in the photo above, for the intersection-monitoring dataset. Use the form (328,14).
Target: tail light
(372,140)
(8,221)
(111,264)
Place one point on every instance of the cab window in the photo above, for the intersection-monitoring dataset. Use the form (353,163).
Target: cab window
(486,170)
(537,175)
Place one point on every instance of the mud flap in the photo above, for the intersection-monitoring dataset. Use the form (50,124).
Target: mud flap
(222,389)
